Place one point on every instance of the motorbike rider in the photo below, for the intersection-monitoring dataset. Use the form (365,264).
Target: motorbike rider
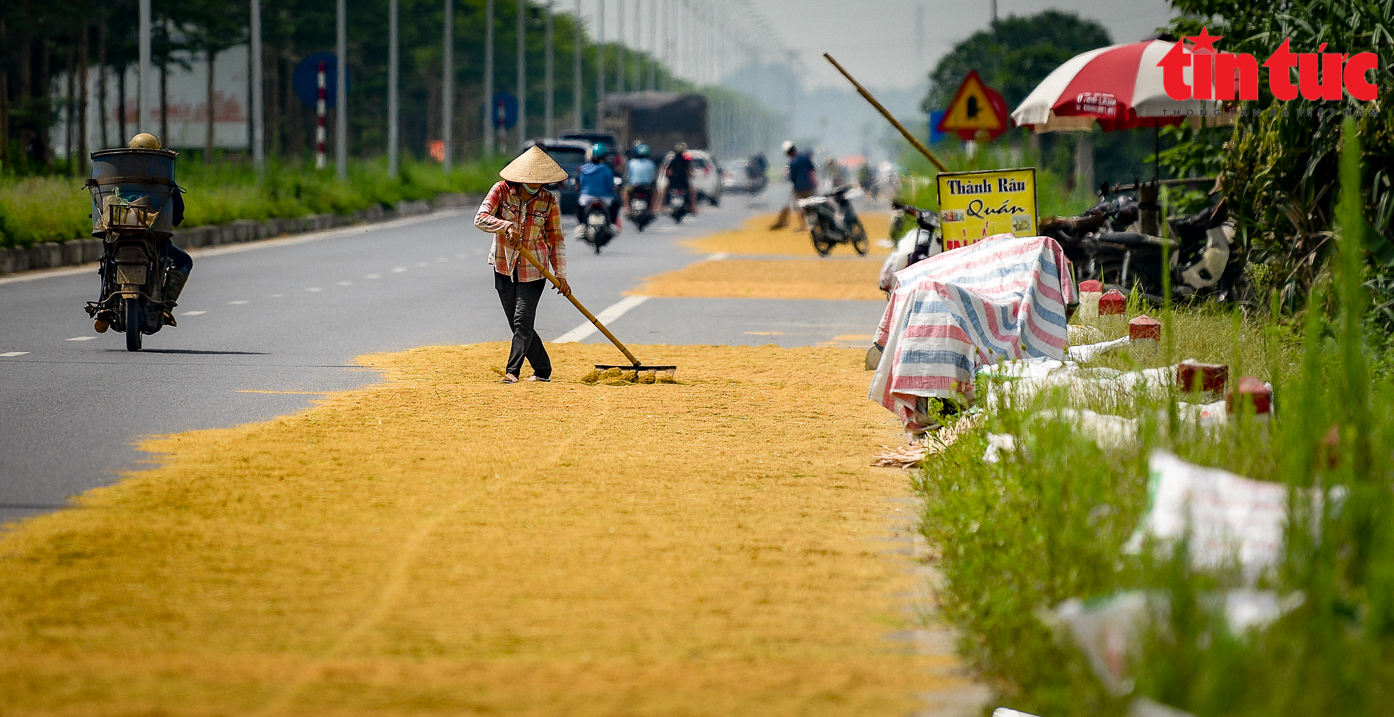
(678,169)
(597,182)
(756,166)
(639,172)
(178,260)
(804,176)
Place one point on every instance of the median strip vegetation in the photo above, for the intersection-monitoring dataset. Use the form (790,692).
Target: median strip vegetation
(441,543)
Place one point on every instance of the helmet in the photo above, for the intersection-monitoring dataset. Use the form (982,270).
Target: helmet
(787,147)
(599,150)
(641,150)
(145,140)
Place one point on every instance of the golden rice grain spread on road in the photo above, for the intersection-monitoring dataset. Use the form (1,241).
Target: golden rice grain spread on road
(769,279)
(756,238)
(442,543)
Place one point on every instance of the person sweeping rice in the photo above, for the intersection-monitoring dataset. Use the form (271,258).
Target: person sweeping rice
(519,212)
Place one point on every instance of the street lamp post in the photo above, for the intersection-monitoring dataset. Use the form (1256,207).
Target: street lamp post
(489,78)
(576,80)
(550,78)
(447,85)
(258,101)
(522,72)
(394,128)
(143,82)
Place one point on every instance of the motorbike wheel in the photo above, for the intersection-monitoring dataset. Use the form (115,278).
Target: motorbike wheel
(133,322)
(820,242)
(859,240)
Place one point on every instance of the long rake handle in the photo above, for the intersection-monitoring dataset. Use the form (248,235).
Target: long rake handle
(533,260)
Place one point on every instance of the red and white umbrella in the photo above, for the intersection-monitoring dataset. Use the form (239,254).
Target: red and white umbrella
(1119,86)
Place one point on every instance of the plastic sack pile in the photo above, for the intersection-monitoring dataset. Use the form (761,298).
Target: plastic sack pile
(1002,298)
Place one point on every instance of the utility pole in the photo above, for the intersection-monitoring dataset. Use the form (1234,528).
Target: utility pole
(653,46)
(919,38)
(994,13)
(620,61)
(447,86)
(489,78)
(599,56)
(394,123)
(144,81)
(258,100)
(576,80)
(550,78)
(522,73)
(341,95)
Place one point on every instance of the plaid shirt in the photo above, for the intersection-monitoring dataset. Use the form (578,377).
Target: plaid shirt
(541,231)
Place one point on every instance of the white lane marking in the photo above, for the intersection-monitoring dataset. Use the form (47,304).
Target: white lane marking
(466,256)
(12,354)
(422,263)
(719,256)
(82,338)
(441,258)
(399,269)
(373,276)
(346,283)
(239,302)
(275,296)
(194,313)
(313,288)
(610,314)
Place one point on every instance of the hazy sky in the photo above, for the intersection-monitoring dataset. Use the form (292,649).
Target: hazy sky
(876,39)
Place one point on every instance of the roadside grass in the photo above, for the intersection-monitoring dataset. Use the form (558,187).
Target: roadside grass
(441,543)
(1048,522)
(40,209)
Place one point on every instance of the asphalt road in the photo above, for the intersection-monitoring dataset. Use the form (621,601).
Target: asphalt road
(264,326)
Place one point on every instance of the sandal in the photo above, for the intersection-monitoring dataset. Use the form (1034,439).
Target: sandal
(539,379)
(510,378)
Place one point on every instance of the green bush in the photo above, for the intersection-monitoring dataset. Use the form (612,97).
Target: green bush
(56,208)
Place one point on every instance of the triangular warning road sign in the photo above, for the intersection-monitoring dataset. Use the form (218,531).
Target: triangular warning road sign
(975,108)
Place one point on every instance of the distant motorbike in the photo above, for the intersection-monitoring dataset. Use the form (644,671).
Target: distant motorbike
(677,204)
(920,242)
(640,209)
(832,220)
(132,191)
(599,230)
(1103,244)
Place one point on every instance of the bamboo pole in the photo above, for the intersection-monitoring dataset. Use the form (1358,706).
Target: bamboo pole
(889,117)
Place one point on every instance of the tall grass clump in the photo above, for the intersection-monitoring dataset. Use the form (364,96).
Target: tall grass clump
(1049,520)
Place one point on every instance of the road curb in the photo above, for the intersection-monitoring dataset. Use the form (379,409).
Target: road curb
(51,255)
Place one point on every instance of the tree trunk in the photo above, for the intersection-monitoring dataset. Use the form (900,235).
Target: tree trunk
(82,102)
(68,113)
(164,102)
(26,56)
(208,134)
(121,101)
(101,80)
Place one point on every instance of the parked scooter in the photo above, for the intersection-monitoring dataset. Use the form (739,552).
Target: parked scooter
(832,220)
(640,209)
(1103,244)
(599,230)
(921,241)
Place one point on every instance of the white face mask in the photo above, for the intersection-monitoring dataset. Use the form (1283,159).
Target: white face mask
(529,189)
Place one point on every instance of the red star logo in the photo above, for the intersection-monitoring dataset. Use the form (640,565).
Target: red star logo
(1204,41)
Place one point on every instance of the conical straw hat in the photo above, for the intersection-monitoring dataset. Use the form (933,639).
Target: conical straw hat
(533,167)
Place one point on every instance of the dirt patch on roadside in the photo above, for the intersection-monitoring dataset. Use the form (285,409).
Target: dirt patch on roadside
(446,544)
(756,238)
(769,279)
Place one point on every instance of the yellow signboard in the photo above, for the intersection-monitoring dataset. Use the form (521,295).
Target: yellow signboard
(977,205)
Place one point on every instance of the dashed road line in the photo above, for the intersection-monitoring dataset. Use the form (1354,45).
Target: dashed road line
(373,276)
(313,288)
(609,314)
(398,269)
(82,338)
(239,302)
(346,283)
(193,313)
(275,296)
(12,354)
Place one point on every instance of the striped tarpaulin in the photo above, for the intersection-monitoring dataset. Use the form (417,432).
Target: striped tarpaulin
(1001,298)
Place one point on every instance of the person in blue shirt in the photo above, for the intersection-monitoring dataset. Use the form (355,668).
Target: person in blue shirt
(804,176)
(640,171)
(597,182)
